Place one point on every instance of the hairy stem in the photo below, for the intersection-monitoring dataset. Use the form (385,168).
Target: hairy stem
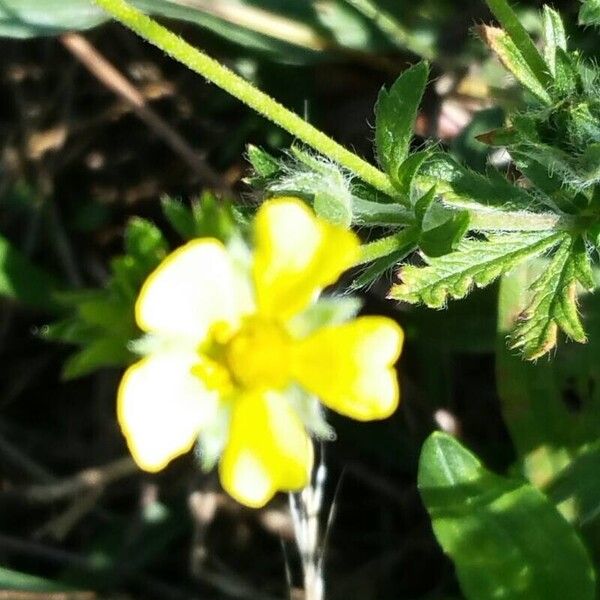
(517,221)
(244,91)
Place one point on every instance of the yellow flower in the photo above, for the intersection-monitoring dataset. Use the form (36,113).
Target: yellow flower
(229,365)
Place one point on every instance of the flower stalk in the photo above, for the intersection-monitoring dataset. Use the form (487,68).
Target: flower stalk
(243,90)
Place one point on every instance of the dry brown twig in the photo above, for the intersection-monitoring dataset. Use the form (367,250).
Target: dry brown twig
(97,477)
(114,80)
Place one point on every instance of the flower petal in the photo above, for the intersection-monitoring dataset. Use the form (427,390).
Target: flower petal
(268,450)
(296,256)
(194,287)
(161,407)
(350,367)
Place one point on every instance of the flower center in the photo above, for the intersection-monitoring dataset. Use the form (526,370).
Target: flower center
(258,355)
(255,356)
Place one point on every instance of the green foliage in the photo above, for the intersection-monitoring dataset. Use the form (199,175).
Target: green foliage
(475,262)
(589,13)
(555,37)
(521,41)
(207,216)
(471,227)
(102,322)
(554,301)
(577,488)
(551,409)
(504,46)
(27,18)
(504,536)
(395,116)
(11,580)
(22,281)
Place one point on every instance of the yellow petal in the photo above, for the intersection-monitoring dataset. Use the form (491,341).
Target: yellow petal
(161,407)
(296,256)
(268,450)
(193,288)
(350,367)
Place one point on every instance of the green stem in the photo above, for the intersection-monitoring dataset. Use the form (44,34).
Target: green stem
(388,245)
(517,221)
(365,212)
(244,91)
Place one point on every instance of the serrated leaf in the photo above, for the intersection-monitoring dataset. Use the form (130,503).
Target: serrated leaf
(589,13)
(464,188)
(550,408)
(475,262)
(395,117)
(508,53)
(505,537)
(554,303)
(554,36)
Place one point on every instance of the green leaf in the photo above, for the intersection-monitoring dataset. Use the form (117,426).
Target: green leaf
(554,37)
(262,162)
(589,13)
(408,171)
(546,178)
(27,18)
(16,580)
(102,352)
(441,228)
(550,409)
(520,39)
(465,188)
(567,80)
(577,486)
(475,262)
(145,243)
(554,303)
(504,47)
(335,208)
(22,281)
(505,537)
(443,239)
(179,216)
(395,117)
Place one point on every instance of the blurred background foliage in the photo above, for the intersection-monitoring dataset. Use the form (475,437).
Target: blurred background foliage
(82,173)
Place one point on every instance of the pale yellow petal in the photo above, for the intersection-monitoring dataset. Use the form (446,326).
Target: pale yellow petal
(193,288)
(161,407)
(350,367)
(296,256)
(268,450)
